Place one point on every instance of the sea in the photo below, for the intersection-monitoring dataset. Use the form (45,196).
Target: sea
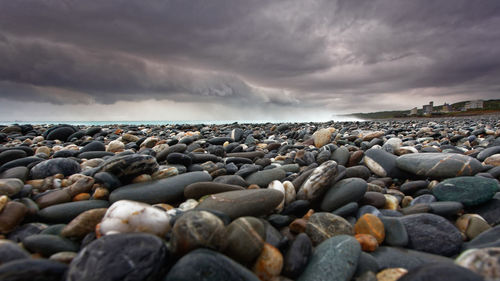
(163,122)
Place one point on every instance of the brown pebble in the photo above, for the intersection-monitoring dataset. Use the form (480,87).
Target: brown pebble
(253,186)
(81,197)
(142,178)
(298,226)
(370,224)
(391,274)
(368,242)
(100,193)
(53,198)
(84,223)
(308,214)
(12,214)
(269,263)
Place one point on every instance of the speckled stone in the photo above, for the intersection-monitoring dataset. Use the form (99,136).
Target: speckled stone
(433,234)
(322,226)
(197,229)
(470,191)
(54,166)
(334,259)
(318,182)
(126,256)
(485,262)
(127,167)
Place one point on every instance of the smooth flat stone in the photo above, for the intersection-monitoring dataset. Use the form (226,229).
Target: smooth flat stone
(47,245)
(470,191)
(440,272)
(50,167)
(10,251)
(383,163)
(264,177)
(249,202)
(393,257)
(334,259)
(343,192)
(208,265)
(64,213)
(322,226)
(32,269)
(169,190)
(439,165)
(200,189)
(395,232)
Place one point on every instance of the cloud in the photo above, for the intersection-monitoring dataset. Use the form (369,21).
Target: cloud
(335,55)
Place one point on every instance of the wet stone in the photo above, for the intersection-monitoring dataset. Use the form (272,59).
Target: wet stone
(208,265)
(54,166)
(130,256)
(439,165)
(322,226)
(470,191)
(197,229)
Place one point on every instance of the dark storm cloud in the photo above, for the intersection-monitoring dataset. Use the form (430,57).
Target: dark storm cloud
(308,52)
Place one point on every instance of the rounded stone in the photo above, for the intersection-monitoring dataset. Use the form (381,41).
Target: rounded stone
(372,198)
(249,202)
(11,216)
(131,216)
(343,192)
(127,167)
(322,226)
(265,177)
(64,213)
(10,251)
(391,274)
(370,224)
(269,263)
(200,189)
(470,191)
(10,186)
(433,234)
(196,229)
(244,240)
(297,256)
(50,167)
(368,242)
(485,262)
(93,146)
(84,223)
(169,190)
(47,244)
(334,259)
(439,165)
(208,265)
(32,269)
(318,182)
(129,256)
(395,232)
(60,133)
(440,272)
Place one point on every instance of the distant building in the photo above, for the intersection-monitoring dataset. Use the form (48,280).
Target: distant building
(474,104)
(428,108)
(413,111)
(446,108)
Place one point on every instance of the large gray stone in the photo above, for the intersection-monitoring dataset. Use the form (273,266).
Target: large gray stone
(439,165)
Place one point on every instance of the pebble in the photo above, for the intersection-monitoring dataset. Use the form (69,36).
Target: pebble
(11,216)
(47,244)
(200,189)
(297,256)
(433,234)
(318,182)
(370,224)
(250,202)
(84,223)
(485,262)
(125,256)
(265,177)
(322,226)
(65,212)
(131,216)
(391,274)
(440,272)
(208,265)
(342,193)
(196,229)
(472,225)
(269,263)
(334,259)
(10,251)
(470,191)
(439,165)
(10,186)
(244,240)
(27,269)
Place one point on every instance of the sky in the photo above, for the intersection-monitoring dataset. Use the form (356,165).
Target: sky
(304,60)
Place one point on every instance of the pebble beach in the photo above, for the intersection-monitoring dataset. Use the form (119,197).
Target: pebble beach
(406,199)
